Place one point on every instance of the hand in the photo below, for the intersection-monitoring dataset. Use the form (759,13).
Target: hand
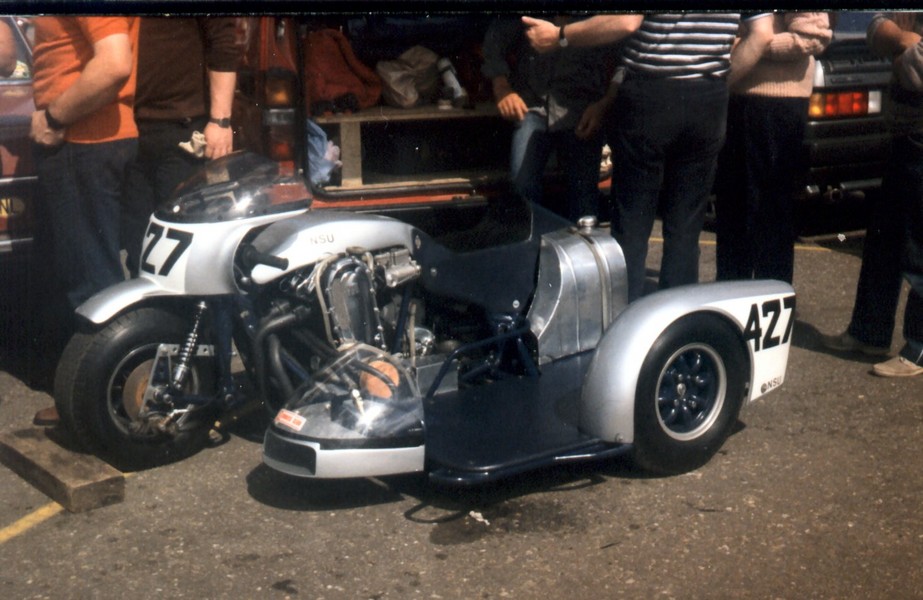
(512,107)
(543,35)
(42,134)
(908,65)
(219,141)
(591,120)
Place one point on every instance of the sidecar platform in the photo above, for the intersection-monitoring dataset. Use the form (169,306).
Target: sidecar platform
(472,435)
(492,431)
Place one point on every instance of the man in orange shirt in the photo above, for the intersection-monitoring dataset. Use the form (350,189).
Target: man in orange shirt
(85,140)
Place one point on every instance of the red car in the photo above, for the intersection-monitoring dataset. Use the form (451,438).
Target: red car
(16,106)
(17,184)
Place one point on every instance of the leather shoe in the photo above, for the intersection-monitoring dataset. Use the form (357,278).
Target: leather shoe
(46,417)
(844,342)
(897,367)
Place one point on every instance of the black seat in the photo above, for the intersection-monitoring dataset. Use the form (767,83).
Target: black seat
(494,264)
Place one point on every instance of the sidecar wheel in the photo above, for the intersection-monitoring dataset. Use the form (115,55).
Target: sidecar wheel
(100,382)
(689,395)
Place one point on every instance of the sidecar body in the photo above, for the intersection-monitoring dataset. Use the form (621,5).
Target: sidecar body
(662,379)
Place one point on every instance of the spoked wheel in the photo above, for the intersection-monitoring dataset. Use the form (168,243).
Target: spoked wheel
(101,382)
(689,394)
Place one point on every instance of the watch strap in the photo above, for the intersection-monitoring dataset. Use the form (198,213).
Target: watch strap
(225,122)
(52,122)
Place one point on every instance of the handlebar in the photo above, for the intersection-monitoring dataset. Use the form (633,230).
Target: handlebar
(251,257)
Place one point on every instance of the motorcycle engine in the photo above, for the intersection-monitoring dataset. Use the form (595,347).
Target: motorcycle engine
(361,298)
(348,293)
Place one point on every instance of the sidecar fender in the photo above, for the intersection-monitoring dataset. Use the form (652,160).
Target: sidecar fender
(109,302)
(761,311)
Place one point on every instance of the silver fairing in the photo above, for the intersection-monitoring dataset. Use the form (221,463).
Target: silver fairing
(312,236)
(582,286)
(191,239)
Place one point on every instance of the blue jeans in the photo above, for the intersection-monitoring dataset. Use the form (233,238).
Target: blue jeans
(893,246)
(665,138)
(913,319)
(80,186)
(578,160)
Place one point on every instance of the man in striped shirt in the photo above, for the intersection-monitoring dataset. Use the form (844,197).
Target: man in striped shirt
(668,122)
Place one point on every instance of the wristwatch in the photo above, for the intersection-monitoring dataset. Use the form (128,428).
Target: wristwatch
(225,122)
(562,41)
(52,122)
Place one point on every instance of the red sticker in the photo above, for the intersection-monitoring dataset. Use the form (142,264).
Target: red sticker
(293,421)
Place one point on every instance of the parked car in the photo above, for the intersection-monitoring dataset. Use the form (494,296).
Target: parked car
(17,183)
(17,178)
(846,141)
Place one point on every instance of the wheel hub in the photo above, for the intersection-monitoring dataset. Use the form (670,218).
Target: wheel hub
(690,395)
(135,386)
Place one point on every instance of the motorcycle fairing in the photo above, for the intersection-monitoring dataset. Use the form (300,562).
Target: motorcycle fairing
(313,236)
(191,259)
(191,240)
(361,415)
(608,399)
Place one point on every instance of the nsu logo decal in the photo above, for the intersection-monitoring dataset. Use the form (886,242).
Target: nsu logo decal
(318,239)
(771,384)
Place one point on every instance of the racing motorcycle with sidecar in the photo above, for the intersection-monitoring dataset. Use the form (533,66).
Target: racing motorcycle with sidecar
(384,345)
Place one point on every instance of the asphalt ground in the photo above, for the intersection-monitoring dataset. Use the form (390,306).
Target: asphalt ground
(816,495)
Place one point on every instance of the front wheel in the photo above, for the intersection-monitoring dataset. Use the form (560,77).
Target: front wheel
(100,384)
(689,394)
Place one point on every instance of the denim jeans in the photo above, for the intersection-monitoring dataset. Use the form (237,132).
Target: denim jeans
(913,319)
(893,245)
(665,140)
(80,186)
(578,160)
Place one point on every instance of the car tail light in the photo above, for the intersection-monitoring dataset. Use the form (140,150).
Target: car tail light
(14,216)
(281,148)
(279,88)
(280,133)
(828,105)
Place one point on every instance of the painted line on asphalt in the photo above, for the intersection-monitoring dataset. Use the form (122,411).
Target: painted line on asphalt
(807,247)
(29,521)
(37,517)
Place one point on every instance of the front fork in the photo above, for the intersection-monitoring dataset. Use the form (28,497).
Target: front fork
(167,406)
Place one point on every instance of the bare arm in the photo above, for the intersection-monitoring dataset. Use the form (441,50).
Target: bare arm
(510,104)
(220,140)
(753,44)
(888,39)
(595,31)
(7,50)
(98,85)
(100,81)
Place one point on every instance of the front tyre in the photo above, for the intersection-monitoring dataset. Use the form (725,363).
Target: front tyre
(100,383)
(689,394)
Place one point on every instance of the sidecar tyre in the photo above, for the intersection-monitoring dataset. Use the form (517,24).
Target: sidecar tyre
(94,371)
(689,394)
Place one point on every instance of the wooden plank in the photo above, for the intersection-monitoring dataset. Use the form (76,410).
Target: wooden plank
(460,179)
(381,114)
(351,154)
(79,482)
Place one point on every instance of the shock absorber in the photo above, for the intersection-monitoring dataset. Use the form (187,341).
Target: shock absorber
(181,371)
